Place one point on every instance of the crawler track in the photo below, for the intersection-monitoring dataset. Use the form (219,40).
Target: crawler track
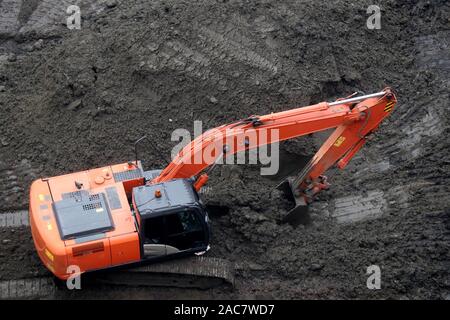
(192,272)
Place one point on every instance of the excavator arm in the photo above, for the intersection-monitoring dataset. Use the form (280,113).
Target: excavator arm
(355,119)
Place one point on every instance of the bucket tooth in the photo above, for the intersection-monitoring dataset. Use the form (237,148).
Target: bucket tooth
(299,213)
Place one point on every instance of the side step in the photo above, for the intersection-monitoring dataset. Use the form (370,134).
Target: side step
(193,272)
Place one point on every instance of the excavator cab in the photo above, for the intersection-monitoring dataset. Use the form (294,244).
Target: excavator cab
(171,218)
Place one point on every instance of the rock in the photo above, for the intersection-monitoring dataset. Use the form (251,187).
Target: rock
(351,75)
(111,3)
(6,241)
(5,142)
(316,267)
(12,57)
(260,19)
(38,45)
(255,267)
(231,172)
(153,47)
(2,88)
(222,85)
(213,100)
(74,105)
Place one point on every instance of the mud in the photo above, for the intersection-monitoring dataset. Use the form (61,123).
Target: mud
(76,99)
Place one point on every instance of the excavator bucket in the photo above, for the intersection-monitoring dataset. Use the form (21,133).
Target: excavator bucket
(298,214)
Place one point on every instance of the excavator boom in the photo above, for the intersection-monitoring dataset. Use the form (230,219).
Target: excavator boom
(354,118)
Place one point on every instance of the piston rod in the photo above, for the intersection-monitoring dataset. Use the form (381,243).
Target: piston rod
(357,99)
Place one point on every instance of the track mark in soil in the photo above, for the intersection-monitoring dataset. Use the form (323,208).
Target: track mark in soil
(223,46)
(14,219)
(9,17)
(405,195)
(177,56)
(380,166)
(360,207)
(12,180)
(27,288)
(434,52)
(368,164)
(189,53)
(429,126)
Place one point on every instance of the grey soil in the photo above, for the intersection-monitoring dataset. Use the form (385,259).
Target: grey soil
(77,99)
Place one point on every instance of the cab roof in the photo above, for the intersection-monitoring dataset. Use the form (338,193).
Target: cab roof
(157,199)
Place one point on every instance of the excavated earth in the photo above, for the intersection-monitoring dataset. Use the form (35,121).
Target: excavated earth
(77,99)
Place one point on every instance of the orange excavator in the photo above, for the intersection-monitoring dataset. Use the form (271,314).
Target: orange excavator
(121,215)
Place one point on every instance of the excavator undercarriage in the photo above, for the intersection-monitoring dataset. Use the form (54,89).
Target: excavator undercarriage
(197,272)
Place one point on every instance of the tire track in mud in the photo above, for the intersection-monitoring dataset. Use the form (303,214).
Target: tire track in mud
(359,207)
(12,180)
(177,56)
(421,121)
(14,219)
(26,288)
(434,52)
(198,62)
(432,56)
(43,287)
(204,59)
(428,127)
(224,48)
(376,203)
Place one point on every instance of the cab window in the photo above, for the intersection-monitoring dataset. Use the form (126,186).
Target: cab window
(185,230)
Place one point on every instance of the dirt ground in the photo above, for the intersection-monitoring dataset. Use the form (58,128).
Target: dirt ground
(77,99)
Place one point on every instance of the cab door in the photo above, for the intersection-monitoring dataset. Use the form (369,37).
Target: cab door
(154,237)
